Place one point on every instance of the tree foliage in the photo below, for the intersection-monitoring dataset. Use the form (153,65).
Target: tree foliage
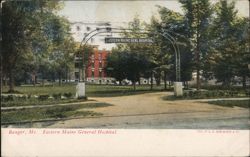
(230,42)
(33,35)
(197,20)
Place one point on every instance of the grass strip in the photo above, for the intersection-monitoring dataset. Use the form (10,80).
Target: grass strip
(34,101)
(231,103)
(55,112)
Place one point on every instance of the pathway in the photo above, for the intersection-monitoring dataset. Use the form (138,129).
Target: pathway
(150,110)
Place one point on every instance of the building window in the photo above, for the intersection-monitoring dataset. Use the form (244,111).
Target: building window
(93,65)
(100,64)
(93,74)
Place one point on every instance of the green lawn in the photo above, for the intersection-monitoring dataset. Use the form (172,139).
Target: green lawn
(231,103)
(34,114)
(35,101)
(91,90)
(209,94)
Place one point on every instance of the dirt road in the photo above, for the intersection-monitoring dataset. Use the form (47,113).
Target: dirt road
(151,111)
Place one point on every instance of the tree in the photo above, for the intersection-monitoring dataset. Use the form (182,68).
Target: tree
(126,65)
(137,30)
(115,65)
(243,56)
(61,55)
(36,39)
(171,23)
(197,17)
(231,40)
(21,24)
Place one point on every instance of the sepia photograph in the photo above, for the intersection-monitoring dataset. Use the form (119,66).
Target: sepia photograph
(104,67)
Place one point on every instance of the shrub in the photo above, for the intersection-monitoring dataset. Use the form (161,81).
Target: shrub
(57,96)
(8,98)
(213,94)
(247,93)
(22,97)
(43,97)
(83,98)
(68,95)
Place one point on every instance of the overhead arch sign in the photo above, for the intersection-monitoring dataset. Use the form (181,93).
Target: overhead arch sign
(128,40)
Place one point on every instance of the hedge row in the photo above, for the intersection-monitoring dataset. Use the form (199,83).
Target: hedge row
(215,94)
(39,97)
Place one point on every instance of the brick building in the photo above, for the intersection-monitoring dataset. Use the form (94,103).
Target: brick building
(95,72)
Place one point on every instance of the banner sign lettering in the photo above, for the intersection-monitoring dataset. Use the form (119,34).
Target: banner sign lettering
(128,40)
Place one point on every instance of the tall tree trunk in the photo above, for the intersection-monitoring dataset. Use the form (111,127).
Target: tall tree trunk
(165,80)
(36,79)
(198,85)
(67,75)
(134,81)
(187,84)
(60,79)
(244,82)
(43,79)
(11,81)
(134,85)
(158,81)
(151,81)
(1,70)
(33,78)
(5,82)
(197,55)
(43,82)
(158,78)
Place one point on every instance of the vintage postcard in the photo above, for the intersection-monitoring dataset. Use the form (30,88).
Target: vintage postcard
(125,78)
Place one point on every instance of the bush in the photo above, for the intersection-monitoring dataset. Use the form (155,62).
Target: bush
(213,94)
(57,96)
(247,93)
(8,98)
(22,98)
(83,98)
(43,97)
(68,95)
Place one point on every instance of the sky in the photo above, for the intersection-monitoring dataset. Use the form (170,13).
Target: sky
(121,12)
